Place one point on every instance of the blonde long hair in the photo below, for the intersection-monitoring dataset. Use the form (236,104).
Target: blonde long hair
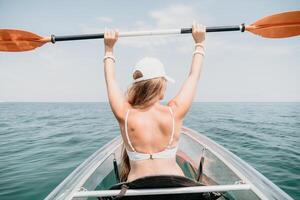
(140,95)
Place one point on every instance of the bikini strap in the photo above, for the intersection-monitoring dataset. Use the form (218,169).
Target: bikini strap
(173,127)
(126,131)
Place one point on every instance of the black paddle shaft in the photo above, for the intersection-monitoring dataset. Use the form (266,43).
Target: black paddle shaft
(217,29)
(182,31)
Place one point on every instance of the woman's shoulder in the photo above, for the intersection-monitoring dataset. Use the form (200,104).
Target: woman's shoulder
(123,112)
(173,106)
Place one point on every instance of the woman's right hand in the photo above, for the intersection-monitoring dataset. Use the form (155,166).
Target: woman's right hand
(198,32)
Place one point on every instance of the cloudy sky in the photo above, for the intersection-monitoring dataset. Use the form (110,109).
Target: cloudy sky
(237,67)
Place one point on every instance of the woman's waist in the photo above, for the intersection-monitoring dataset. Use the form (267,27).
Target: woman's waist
(153,164)
(141,170)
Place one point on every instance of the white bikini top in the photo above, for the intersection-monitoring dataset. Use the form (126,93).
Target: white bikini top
(167,153)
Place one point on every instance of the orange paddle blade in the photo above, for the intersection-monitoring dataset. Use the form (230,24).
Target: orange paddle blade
(17,40)
(280,25)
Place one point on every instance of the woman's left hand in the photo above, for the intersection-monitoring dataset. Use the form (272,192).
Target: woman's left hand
(110,38)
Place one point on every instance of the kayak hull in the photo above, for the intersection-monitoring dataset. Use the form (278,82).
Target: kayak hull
(220,170)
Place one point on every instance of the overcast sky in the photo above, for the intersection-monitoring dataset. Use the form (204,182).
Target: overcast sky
(237,67)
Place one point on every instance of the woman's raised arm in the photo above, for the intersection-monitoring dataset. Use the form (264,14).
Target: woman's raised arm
(115,95)
(183,100)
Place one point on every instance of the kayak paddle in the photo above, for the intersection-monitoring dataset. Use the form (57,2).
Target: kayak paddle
(281,25)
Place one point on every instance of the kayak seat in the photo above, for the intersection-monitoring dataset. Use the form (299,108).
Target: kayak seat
(164,181)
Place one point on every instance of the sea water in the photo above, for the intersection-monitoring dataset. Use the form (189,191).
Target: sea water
(41,143)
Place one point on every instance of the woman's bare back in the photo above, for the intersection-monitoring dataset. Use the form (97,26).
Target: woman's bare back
(150,131)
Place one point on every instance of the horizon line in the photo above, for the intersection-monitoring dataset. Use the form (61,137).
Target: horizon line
(161,101)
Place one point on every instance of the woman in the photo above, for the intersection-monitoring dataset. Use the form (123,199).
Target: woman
(150,130)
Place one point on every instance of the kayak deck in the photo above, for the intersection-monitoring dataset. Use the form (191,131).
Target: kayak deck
(222,171)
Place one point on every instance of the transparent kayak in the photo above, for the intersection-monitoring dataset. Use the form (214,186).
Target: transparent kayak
(201,159)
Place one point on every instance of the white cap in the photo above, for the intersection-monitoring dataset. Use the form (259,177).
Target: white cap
(151,68)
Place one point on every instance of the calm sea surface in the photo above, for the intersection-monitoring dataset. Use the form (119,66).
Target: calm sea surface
(41,143)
